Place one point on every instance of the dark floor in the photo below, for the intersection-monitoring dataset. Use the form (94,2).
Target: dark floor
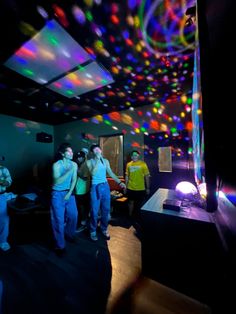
(104,277)
(33,280)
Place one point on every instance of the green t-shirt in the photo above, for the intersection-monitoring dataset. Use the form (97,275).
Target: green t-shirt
(136,171)
(83,182)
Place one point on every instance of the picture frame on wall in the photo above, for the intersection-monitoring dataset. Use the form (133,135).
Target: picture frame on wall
(164,159)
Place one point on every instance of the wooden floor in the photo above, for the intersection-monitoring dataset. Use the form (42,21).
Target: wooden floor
(90,278)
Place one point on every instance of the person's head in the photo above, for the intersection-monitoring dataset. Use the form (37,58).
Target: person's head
(95,149)
(85,150)
(81,156)
(135,155)
(65,151)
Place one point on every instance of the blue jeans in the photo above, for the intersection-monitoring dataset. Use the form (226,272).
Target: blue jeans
(64,217)
(100,199)
(4,219)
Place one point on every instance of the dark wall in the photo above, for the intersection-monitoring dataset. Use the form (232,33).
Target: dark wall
(216,37)
(185,255)
(216,34)
(182,165)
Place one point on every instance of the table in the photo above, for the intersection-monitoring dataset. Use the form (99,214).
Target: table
(180,249)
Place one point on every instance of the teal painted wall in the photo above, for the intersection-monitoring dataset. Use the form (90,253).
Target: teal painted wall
(24,157)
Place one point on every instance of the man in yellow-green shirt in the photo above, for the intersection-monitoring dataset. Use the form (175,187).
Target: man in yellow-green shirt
(137,181)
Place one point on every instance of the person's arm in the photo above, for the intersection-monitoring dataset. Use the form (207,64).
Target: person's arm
(126,179)
(113,176)
(6,181)
(126,176)
(92,168)
(147,183)
(59,178)
(147,178)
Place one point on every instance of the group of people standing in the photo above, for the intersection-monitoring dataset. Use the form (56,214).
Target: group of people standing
(80,185)
(81,177)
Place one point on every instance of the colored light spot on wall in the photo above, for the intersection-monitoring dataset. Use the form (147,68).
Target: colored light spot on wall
(189,126)
(114,19)
(189,101)
(89,16)
(136,22)
(20,125)
(130,20)
(115,70)
(78,14)
(126,119)
(187,108)
(154,124)
(136,145)
(163,127)
(115,116)
(27,29)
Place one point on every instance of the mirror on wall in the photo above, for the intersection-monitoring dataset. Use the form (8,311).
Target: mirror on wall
(113,149)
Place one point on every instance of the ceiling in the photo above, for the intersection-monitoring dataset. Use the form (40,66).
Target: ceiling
(147,47)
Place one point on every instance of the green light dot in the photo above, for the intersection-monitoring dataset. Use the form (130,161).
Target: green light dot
(107,122)
(53,41)
(89,16)
(28,72)
(157,104)
(69,92)
(189,101)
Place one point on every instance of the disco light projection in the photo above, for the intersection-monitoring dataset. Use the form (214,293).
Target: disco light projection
(53,53)
(85,79)
(50,53)
(163,27)
(143,74)
(197,130)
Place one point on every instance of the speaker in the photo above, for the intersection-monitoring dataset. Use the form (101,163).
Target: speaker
(172,204)
(44,137)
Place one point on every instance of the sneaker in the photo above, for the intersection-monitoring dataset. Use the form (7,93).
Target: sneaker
(93,236)
(5,246)
(81,228)
(106,234)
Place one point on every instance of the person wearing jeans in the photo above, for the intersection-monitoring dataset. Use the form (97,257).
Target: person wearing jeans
(64,213)
(100,191)
(5,182)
